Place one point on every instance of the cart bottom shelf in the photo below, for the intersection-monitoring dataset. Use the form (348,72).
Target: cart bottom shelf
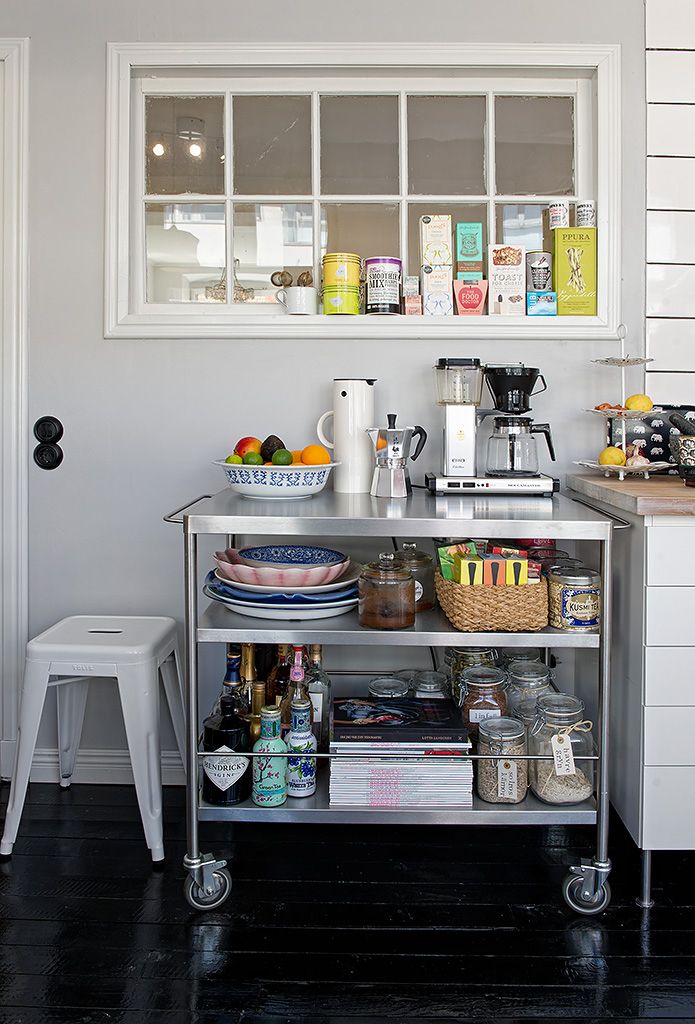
(317,808)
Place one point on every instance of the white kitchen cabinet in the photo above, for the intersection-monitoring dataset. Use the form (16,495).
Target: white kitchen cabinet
(671,77)
(671,181)
(671,344)
(670,24)
(671,128)
(668,678)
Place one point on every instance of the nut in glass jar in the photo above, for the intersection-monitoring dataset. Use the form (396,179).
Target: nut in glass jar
(502,781)
(484,696)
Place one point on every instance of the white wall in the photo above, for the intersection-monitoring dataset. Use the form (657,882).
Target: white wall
(143,419)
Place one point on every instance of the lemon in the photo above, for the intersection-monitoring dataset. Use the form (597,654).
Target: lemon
(234,460)
(612,457)
(640,403)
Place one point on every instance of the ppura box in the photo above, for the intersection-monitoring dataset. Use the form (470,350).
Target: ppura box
(435,240)
(507,280)
(437,291)
(575,271)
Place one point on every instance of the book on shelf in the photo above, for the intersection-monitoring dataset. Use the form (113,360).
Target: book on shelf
(407,720)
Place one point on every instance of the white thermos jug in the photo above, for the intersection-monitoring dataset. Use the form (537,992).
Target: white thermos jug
(353,414)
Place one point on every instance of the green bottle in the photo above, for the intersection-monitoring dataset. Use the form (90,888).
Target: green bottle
(270,773)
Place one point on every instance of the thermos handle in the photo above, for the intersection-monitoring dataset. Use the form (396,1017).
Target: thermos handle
(544,388)
(422,437)
(319,430)
(544,428)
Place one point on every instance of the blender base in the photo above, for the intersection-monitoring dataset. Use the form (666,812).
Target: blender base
(516,485)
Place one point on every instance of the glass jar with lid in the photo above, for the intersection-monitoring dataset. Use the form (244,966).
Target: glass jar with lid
(510,654)
(561,714)
(421,567)
(526,712)
(386,595)
(527,679)
(468,657)
(484,696)
(431,685)
(387,687)
(502,781)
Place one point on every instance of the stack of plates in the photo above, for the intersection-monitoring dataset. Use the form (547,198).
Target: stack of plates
(260,601)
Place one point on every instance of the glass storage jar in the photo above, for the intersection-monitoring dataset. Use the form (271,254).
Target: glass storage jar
(527,679)
(386,595)
(468,657)
(526,712)
(574,599)
(561,714)
(501,781)
(421,567)
(387,687)
(432,685)
(510,654)
(483,696)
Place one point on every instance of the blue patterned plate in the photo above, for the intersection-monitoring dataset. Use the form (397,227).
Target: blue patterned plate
(290,556)
(228,590)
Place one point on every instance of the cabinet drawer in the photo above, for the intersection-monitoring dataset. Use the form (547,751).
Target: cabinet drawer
(670,618)
(669,736)
(667,819)
(670,555)
(668,676)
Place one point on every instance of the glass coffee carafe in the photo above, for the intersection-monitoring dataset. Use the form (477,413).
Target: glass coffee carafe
(512,450)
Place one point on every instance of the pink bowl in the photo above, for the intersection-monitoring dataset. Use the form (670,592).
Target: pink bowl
(269,575)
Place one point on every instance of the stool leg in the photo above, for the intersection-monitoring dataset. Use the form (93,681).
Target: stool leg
(172,689)
(138,686)
(71,699)
(33,699)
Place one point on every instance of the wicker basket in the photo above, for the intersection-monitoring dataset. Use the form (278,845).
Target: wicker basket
(489,609)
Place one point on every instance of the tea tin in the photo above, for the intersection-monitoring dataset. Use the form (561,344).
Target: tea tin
(574,598)
(341,299)
(341,268)
(382,284)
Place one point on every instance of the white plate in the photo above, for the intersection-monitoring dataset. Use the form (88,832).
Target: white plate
(623,471)
(285,614)
(351,575)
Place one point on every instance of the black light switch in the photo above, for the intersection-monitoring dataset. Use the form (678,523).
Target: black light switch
(48,430)
(48,456)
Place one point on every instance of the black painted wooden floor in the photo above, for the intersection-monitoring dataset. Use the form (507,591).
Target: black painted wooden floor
(328,924)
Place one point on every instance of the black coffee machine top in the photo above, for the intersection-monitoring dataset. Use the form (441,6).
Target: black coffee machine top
(512,387)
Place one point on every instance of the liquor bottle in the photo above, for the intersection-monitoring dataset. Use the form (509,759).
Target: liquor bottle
(231,684)
(270,773)
(257,702)
(226,772)
(296,688)
(301,771)
(318,685)
(279,676)
(248,674)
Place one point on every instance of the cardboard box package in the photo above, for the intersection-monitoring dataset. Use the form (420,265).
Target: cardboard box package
(469,248)
(507,280)
(541,303)
(575,271)
(435,240)
(437,291)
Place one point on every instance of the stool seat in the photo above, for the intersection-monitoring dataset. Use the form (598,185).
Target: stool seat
(138,652)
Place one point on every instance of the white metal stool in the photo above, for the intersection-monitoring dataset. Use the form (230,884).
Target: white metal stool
(134,650)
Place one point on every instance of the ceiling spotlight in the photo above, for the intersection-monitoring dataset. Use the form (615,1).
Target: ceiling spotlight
(195,149)
(158,149)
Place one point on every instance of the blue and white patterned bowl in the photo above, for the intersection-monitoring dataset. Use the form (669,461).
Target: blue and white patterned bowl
(290,556)
(282,482)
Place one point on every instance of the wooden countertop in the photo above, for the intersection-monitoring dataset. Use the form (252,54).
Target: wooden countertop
(658,496)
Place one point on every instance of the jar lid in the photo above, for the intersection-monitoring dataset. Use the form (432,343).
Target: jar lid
(529,673)
(560,705)
(387,567)
(483,676)
(430,682)
(521,654)
(499,730)
(407,676)
(410,556)
(573,574)
(387,686)
(474,650)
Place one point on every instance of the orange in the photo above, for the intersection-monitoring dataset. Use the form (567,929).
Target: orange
(315,455)
(380,443)
(296,455)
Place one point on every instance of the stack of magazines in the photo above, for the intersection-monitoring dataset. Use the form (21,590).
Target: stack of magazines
(435,774)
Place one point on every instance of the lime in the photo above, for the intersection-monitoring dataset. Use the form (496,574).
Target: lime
(253,459)
(282,457)
(235,459)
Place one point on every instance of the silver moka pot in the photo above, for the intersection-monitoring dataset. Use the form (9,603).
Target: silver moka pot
(392,450)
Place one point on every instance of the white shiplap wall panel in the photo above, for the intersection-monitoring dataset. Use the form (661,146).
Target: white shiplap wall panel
(671,344)
(670,183)
(671,128)
(671,24)
(670,76)
(670,236)
(670,290)
(671,388)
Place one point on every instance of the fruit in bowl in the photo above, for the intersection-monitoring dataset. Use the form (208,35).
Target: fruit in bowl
(268,469)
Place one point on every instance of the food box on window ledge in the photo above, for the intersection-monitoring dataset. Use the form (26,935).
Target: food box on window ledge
(575,271)
(651,434)
(507,280)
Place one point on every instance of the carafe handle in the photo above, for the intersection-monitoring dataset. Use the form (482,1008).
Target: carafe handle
(544,428)
(421,434)
(319,430)
(544,388)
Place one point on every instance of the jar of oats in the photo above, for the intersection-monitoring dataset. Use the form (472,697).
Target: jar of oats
(574,599)
(502,780)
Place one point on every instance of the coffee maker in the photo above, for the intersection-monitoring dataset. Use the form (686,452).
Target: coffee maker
(512,464)
(392,450)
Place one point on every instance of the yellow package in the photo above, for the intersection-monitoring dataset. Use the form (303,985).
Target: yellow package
(468,570)
(517,571)
(575,271)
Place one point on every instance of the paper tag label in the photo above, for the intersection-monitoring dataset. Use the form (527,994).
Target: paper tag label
(317,702)
(418,590)
(224,771)
(507,780)
(562,753)
(481,714)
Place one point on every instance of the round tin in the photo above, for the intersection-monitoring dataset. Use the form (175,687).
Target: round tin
(539,271)
(585,213)
(340,299)
(559,214)
(382,284)
(574,598)
(341,268)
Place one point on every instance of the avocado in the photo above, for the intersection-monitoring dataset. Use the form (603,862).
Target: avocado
(271,445)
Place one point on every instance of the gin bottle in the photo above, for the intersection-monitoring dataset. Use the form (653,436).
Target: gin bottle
(318,687)
(301,771)
(226,771)
(295,689)
(270,773)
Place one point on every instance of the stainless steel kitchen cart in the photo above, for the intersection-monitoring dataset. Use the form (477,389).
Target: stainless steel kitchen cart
(329,514)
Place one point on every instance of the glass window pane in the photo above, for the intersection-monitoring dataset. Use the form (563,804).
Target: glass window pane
(359,145)
(460,213)
(524,224)
(272,145)
(369,229)
(185,249)
(534,145)
(446,145)
(184,145)
(270,237)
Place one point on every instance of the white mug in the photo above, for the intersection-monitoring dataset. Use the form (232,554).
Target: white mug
(298,300)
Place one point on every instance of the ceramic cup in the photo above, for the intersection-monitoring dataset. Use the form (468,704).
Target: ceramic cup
(302,301)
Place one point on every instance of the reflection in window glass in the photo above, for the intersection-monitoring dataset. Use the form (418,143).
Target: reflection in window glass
(467,213)
(368,229)
(527,225)
(184,145)
(269,237)
(359,145)
(534,145)
(185,250)
(272,145)
(446,145)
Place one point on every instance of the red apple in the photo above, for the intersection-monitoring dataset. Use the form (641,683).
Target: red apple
(246,445)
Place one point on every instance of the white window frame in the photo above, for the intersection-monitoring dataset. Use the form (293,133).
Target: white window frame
(127,316)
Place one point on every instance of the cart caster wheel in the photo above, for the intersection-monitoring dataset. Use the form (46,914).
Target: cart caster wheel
(572,892)
(200,900)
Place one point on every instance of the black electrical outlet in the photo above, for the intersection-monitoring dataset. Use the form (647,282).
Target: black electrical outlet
(48,430)
(48,456)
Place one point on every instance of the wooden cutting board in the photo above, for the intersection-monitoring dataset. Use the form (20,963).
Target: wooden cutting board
(658,496)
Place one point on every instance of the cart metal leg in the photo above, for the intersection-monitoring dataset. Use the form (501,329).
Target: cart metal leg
(586,888)
(644,900)
(208,883)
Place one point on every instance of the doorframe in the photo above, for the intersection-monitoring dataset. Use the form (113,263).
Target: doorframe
(14,281)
